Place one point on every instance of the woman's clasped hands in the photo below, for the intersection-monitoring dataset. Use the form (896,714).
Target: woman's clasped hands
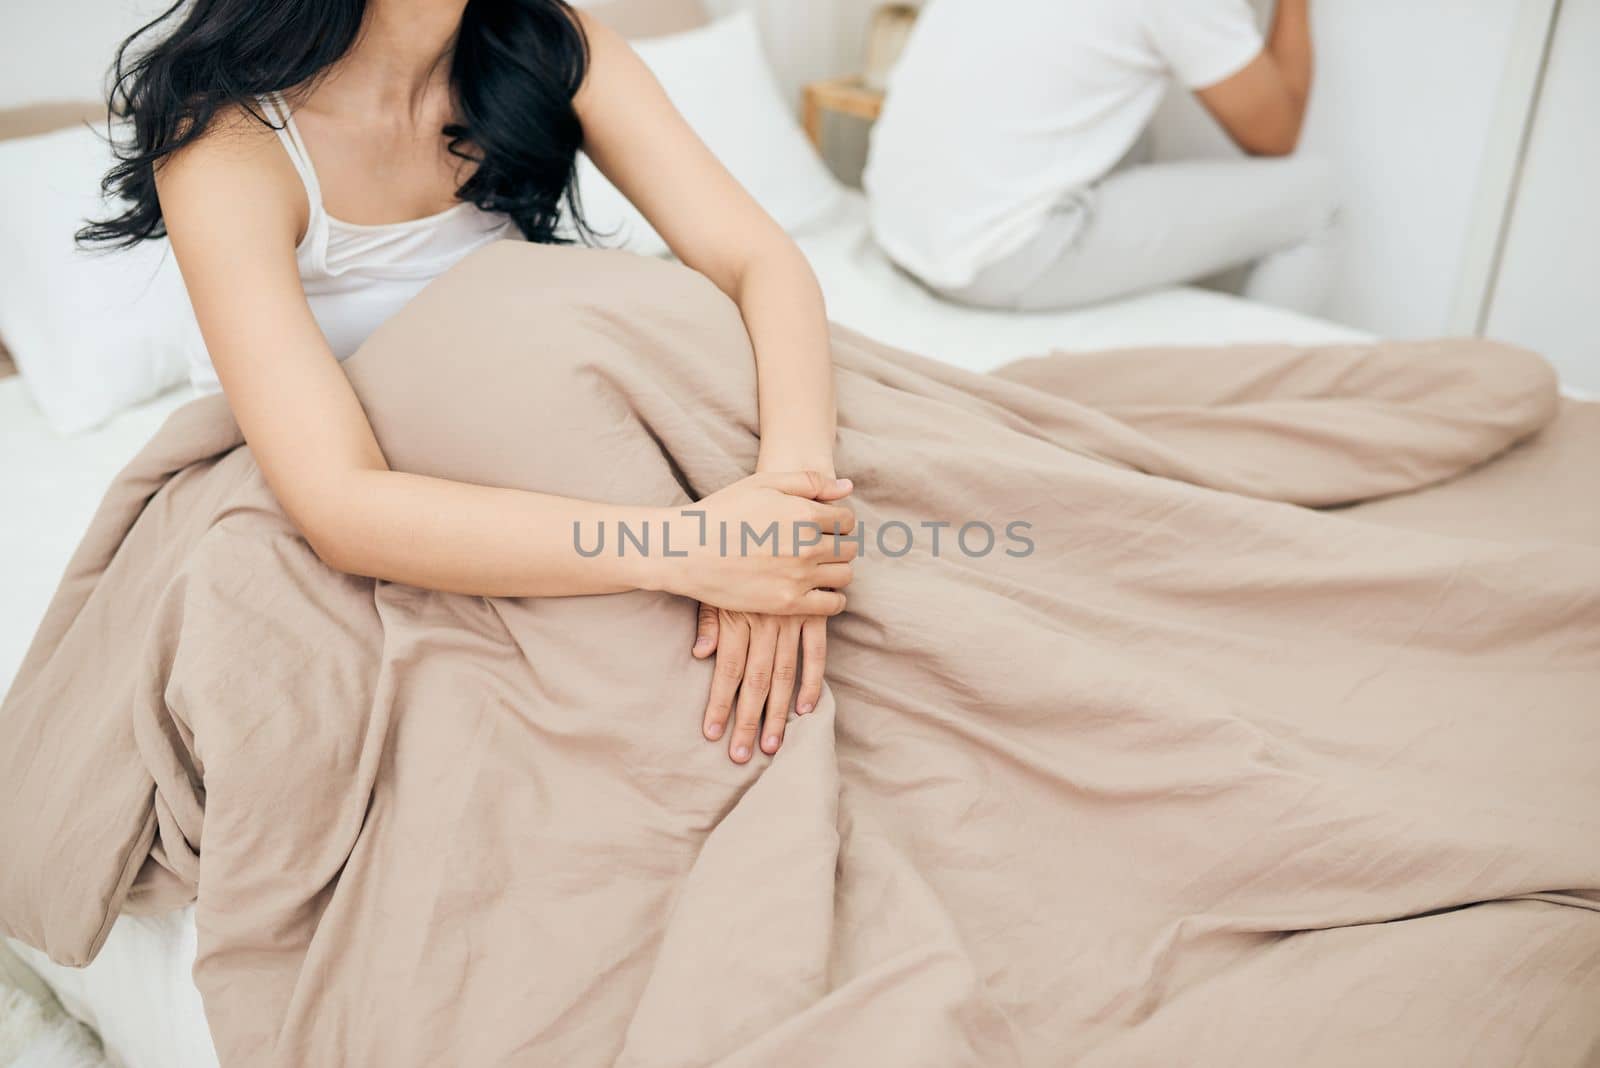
(768,558)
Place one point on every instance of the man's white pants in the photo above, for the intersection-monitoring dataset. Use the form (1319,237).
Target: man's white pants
(1164,224)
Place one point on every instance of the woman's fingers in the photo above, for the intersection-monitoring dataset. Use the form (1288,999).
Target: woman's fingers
(841,488)
(838,551)
(732,645)
(762,664)
(833,519)
(785,674)
(817,603)
(833,576)
(814,661)
(754,688)
(810,484)
(705,632)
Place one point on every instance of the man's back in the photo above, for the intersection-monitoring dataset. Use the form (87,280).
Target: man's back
(1000,108)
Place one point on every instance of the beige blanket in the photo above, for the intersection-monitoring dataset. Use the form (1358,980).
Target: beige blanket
(1206,779)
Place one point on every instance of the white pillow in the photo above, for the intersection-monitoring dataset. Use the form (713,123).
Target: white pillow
(719,78)
(92,332)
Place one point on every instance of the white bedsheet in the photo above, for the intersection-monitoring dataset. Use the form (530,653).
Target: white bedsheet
(49,487)
(138,993)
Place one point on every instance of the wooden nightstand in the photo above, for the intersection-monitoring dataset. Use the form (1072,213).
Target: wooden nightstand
(838,96)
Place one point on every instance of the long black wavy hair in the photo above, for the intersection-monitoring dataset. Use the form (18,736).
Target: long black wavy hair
(516,67)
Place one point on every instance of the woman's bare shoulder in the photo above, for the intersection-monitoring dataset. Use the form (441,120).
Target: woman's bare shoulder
(237,159)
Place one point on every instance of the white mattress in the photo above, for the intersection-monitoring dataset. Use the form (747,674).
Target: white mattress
(138,993)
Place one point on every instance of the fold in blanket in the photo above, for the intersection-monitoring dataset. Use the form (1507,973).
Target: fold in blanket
(1208,777)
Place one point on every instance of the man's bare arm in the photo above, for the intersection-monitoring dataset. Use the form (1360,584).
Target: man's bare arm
(1263,106)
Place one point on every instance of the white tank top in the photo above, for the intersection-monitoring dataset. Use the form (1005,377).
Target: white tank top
(356,276)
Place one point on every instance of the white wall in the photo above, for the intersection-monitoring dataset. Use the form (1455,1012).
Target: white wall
(61,49)
(1402,108)
(1408,95)
(1547,292)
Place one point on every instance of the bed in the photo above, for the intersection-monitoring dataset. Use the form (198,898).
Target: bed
(138,993)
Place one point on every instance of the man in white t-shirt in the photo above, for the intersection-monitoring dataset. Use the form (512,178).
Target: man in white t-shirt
(994,174)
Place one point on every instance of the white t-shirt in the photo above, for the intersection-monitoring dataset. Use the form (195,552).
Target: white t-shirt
(1000,108)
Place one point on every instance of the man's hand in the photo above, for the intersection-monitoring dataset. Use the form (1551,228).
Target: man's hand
(760,658)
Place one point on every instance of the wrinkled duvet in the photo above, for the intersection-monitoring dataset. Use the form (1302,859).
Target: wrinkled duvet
(1224,771)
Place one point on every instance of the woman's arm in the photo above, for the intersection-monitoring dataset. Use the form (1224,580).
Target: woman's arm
(643,145)
(234,208)
(640,141)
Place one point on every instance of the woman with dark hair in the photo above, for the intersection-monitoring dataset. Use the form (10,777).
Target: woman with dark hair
(316,162)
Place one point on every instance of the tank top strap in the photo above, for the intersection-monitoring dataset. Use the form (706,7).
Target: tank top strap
(277,110)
